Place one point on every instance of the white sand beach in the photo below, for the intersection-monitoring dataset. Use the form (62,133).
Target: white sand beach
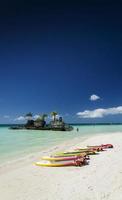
(101,179)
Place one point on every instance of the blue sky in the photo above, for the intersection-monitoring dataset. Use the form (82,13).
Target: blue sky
(54,56)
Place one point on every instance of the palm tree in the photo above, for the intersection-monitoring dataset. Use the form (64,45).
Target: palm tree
(54,114)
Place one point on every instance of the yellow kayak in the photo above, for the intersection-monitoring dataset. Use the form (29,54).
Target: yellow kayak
(62,158)
(48,164)
(84,150)
(75,153)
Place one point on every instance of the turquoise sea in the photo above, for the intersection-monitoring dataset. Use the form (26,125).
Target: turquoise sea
(15,143)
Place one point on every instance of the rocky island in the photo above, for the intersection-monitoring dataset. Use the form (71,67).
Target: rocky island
(56,124)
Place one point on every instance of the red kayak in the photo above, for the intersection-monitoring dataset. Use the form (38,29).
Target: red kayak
(107,145)
(82,155)
(94,148)
(101,147)
(62,158)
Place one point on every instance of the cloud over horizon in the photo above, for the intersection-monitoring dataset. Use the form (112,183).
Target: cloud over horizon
(20,118)
(36,116)
(100,112)
(94,97)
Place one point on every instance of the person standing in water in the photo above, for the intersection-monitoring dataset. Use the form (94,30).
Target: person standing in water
(77,129)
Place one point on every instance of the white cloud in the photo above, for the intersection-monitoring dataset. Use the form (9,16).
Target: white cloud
(94,97)
(36,116)
(20,118)
(100,112)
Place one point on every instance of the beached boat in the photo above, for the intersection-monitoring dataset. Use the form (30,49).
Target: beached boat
(48,164)
(103,146)
(75,153)
(93,148)
(63,163)
(83,154)
(62,158)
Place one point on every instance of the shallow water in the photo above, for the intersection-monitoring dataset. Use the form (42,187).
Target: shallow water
(15,143)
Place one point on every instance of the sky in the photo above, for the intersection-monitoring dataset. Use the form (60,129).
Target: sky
(61,56)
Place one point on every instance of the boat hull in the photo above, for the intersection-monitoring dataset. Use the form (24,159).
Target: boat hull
(49,164)
(57,159)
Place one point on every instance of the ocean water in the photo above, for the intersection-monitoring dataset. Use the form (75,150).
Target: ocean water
(15,143)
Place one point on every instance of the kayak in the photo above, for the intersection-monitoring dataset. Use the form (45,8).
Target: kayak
(107,145)
(75,153)
(79,154)
(85,155)
(90,149)
(104,146)
(93,148)
(62,158)
(84,150)
(49,164)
